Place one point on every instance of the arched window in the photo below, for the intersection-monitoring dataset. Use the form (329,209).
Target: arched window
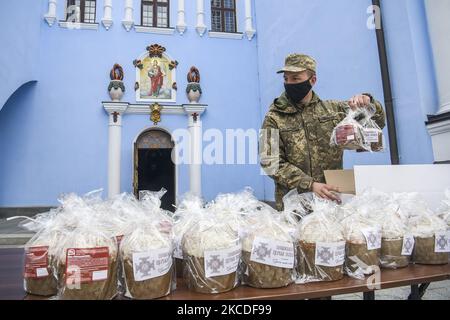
(81,11)
(223,15)
(155,13)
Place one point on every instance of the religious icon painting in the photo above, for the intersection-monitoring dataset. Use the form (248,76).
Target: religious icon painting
(155,76)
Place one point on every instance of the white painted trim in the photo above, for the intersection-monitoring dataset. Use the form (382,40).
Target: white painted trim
(444,108)
(194,108)
(201,27)
(439,128)
(78,25)
(128,20)
(120,107)
(174,79)
(166,130)
(107,14)
(249,30)
(50,16)
(145,109)
(226,35)
(181,23)
(155,30)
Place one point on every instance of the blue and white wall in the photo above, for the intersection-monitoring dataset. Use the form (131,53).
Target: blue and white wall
(54,132)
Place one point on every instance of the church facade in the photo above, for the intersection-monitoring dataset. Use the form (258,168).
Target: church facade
(105,93)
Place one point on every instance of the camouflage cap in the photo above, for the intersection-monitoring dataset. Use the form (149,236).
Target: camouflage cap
(298,62)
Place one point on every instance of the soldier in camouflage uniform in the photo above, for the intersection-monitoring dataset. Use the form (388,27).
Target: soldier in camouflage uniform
(304,124)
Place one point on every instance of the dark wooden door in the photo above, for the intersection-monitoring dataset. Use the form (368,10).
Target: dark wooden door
(155,171)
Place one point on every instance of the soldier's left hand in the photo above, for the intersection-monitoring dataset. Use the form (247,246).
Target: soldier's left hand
(359,101)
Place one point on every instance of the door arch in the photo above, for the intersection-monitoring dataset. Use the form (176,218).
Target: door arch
(153,165)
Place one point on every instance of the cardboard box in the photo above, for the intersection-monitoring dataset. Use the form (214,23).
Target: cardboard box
(430,181)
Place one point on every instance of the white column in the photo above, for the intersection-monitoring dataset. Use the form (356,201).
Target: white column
(201,27)
(439,30)
(195,132)
(128,20)
(107,14)
(181,24)
(50,16)
(249,31)
(115,111)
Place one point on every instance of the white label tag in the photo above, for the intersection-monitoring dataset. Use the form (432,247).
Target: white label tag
(371,135)
(222,262)
(330,254)
(442,242)
(151,264)
(373,238)
(273,253)
(351,137)
(41,272)
(408,245)
(178,250)
(100,275)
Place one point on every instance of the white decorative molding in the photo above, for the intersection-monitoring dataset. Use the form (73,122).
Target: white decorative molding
(226,35)
(201,27)
(191,109)
(78,25)
(111,107)
(145,109)
(249,30)
(139,108)
(107,14)
(50,16)
(128,20)
(154,30)
(181,23)
(438,28)
(116,110)
(440,137)
(439,128)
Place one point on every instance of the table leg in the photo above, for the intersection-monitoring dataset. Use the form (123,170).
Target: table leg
(370,295)
(417,292)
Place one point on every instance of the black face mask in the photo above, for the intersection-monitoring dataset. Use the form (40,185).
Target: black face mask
(298,91)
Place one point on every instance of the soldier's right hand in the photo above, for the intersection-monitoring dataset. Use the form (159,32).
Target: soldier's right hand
(326,191)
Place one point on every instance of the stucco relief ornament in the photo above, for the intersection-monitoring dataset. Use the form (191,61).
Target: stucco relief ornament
(155,50)
(116,87)
(193,89)
(155,113)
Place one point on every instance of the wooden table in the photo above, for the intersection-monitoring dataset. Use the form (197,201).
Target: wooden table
(11,284)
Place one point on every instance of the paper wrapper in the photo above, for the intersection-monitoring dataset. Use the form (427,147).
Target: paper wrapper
(260,275)
(391,254)
(196,280)
(424,252)
(359,250)
(97,290)
(148,289)
(308,269)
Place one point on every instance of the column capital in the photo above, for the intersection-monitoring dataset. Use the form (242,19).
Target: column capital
(191,109)
(115,107)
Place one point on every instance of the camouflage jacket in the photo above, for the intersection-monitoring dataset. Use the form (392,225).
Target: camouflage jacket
(304,134)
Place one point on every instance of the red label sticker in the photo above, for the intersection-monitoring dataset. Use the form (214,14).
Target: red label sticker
(86,265)
(36,262)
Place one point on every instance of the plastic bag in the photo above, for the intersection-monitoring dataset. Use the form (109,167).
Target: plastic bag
(268,252)
(444,209)
(86,261)
(147,260)
(321,245)
(431,239)
(373,137)
(349,133)
(363,248)
(189,211)
(39,278)
(211,253)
